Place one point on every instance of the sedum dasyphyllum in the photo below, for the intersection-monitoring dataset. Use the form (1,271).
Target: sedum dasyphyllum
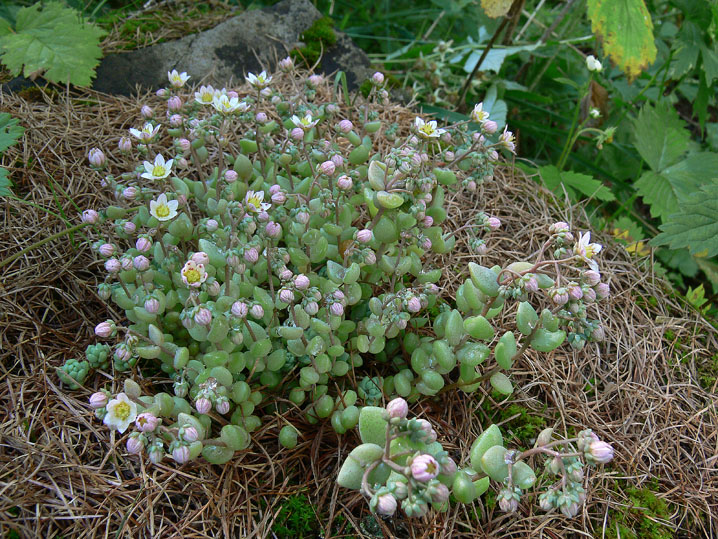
(264,248)
(400,463)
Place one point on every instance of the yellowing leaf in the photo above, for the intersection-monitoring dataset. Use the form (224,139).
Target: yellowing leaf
(496,8)
(626,30)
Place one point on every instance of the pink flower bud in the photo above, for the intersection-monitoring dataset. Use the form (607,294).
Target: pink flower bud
(397,408)
(556,228)
(200,257)
(184,144)
(364,235)
(107,249)
(189,434)
(424,468)
(575,293)
(203,405)
(599,452)
(297,134)
(302,217)
(370,258)
(257,311)
(602,290)
(222,406)
(440,493)
(176,120)
(129,227)
(126,263)
(143,244)
(560,298)
(426,244)
(311,308)
(97,158)
(286,295)
(161,92)
(327,167)
(531,285)
(591,277)
(345,126)
(239,309)
(413,305)
(301,281)
(489,126)
(261,117)
(146,422)
(174,103)
(230,176)
(203,317)
(134,445)
(152,305)
(448,467)
(493,155)
(279,197)
(90,216)
(344,182)
(214,288)
(589,295)
(315,80)
(386,504)
(113,265)
(336,309)
(428,221)
(180,454)
(338,160)
(494,223)
(146,112)
(106,329)
(471,185)
(251,255)
(141,263)
(377,78)
(273,230)
(98,400)
(598,334)
(286,64)
(125,144)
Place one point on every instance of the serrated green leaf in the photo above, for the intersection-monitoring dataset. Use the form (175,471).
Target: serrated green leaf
(553,178)
(10,132)
(696,226)
(658,193)
(661,136)
(710,63)
(686,47)
(5,183)
(626,30)
(55,40)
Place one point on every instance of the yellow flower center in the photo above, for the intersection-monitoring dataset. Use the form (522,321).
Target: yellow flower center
(122,410)
(590,251)
(192,276)
(427,129)
(162,210)
(254,201)
(207,97)
(158,170)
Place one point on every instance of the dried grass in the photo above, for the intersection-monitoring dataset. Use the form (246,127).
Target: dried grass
(63,472)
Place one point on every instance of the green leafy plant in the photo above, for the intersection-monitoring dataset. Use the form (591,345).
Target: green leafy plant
(50,39)
(10,132)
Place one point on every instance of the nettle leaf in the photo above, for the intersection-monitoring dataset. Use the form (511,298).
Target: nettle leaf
(696,226)
(496,8)
(658,193)
(626,30)
(574,181)
(52,39)
(661,136)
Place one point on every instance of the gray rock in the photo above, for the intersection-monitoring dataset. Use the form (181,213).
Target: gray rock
(250,42)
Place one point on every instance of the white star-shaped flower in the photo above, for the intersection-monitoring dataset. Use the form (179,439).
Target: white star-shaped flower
(147,133)
(121,411)
(259,81)
(305,122)
(177,79)
(163,209)
(254,202)
(428,130)
(586,250)
(159,169)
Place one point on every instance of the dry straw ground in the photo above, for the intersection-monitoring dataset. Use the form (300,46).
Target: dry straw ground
(62,472)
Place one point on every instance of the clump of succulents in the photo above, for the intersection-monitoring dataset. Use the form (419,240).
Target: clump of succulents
(270,256)
(401,463)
